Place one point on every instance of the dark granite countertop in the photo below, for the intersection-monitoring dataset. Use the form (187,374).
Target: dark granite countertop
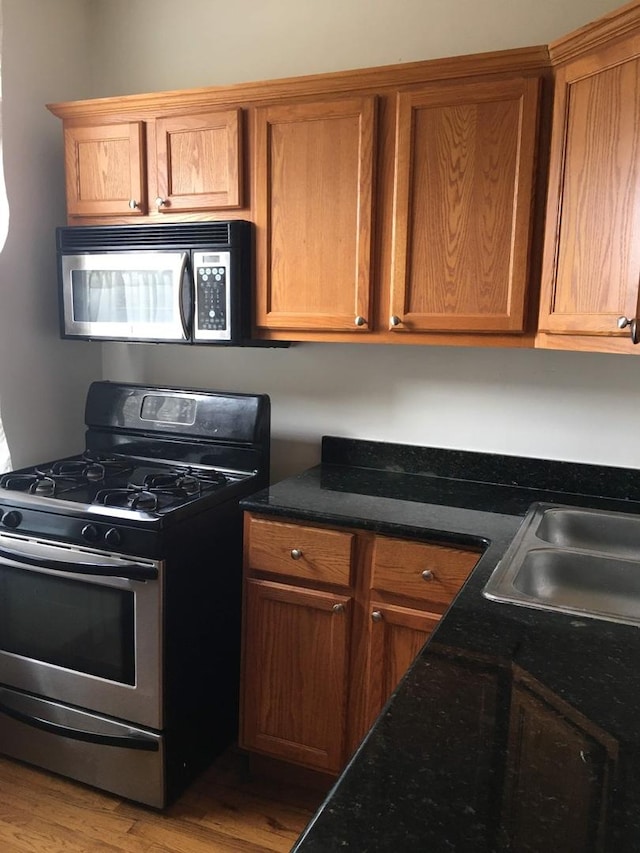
(514,729)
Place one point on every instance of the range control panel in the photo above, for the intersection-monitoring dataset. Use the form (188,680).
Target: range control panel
(212,272)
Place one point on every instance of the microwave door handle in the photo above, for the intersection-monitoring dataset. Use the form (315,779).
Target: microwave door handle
(128,742)
(130,571)
(185,297)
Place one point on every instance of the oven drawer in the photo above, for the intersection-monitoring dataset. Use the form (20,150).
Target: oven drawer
(421,570)
(110,755)
(299,551)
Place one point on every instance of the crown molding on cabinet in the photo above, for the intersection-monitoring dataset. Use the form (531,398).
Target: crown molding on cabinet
(616,24)
(521,60)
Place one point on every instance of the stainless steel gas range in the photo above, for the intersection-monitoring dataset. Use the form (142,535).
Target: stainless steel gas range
(120,589)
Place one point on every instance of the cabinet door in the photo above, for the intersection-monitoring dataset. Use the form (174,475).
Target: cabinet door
(464,172)
(105,172)
(198,161)
(295,674)
(314,181)
(397,635)
(591,266)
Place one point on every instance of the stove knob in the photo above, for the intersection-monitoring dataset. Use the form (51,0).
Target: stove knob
(112,536)
(90,533)
(12,518)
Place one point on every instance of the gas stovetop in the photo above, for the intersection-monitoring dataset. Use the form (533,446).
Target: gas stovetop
(154,458)
(119,481)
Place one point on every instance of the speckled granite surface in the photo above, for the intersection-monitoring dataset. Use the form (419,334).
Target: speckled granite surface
(514,729)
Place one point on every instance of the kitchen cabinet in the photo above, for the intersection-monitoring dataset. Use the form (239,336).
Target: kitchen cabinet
(391,204)
(314,168)
(332,620)
(591,265)
(412,583)
(560,774)
(459,213)
(154,165)
(463,189)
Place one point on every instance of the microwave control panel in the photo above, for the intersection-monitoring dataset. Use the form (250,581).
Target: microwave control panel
(212,296)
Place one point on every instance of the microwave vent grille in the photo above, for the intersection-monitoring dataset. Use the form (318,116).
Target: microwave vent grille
(151,237)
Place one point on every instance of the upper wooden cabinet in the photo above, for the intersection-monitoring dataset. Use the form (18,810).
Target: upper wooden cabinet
(463,188)
(591,269)
(105,169)
(165,165)
(314,165)
(391,204)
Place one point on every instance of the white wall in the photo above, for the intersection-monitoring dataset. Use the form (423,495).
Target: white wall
(535,403)
(43,380)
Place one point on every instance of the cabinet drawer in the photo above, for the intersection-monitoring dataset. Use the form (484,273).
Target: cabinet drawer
(298,551)
(420,570)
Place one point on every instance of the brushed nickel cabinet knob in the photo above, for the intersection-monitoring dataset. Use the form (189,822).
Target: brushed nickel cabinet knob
(296,553)
(634,331)
(338,608)
(360,321)
(376,616)
(395,320)
(427,575)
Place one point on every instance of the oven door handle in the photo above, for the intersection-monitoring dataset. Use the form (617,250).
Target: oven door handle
(130,742)
(129,571)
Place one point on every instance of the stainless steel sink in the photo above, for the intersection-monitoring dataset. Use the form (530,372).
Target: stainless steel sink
(614,533)
(578,561)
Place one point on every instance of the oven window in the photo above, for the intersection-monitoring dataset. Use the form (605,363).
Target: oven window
(80,626)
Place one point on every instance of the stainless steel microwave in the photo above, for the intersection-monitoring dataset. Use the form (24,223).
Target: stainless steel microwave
(182,282)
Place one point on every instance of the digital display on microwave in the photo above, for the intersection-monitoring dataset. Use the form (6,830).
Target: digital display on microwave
(123,296)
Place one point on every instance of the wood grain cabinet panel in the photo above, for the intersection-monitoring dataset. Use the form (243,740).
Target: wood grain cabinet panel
(314,209)
(591,269)
(428,573)
(464,176)
(198,161)
(295,676)
(105,169)
(297,551)
(396,636)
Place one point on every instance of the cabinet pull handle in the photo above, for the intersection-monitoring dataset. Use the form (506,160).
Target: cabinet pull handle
(296,553)
(427,575)
(133,204)
(360,321)
(161,202)
(338,608)
(634,331)
(376,616)
(395,320)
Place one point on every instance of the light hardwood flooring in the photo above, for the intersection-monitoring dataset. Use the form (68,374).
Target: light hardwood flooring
(223,810)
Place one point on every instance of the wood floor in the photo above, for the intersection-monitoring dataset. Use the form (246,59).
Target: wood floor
(223,810)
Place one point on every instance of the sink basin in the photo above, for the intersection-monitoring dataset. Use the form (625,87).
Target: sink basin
(609,532)
(579,562)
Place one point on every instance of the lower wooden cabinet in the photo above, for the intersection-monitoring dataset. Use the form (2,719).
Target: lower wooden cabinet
(331,622)
(397,635)
(296,673)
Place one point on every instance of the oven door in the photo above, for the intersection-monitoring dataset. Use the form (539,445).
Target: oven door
(83,627)
(130,296)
